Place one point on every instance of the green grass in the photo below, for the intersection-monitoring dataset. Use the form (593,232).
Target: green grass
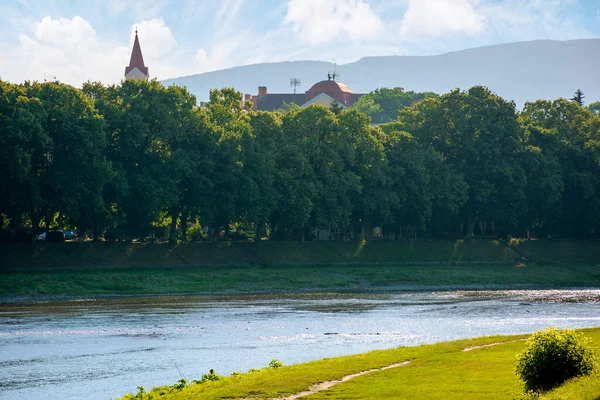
(86,269)
(557,250)
(244,253)
(288,278)
(438,371)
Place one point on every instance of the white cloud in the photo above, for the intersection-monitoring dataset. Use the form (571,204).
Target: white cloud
(323,21)
(434,18)
(537,19)
(156,38)
(70,51)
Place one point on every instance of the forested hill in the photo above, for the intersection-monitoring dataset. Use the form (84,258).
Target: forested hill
(525,71)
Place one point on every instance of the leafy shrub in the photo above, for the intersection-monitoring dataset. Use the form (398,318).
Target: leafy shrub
(552,356)
(195,233)
(55,237)
(180,385)
(275,364)
(211,376)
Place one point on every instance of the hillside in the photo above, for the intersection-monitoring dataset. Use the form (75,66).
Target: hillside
(524,71)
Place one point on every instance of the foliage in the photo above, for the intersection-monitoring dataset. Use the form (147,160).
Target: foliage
(383,104)
(553,356)
(335,107)
(210,377)
(578,97)
(594,107)
(275,364)
(141,160)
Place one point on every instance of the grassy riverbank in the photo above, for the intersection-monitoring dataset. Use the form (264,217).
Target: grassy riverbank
(90,269)
(96,281)
(264,253)
(438,371)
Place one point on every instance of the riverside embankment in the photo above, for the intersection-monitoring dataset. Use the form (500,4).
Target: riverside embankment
(102,269)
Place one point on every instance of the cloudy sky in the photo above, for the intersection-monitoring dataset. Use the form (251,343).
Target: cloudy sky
(82,40)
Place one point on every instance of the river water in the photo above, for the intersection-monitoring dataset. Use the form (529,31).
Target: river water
(102,349)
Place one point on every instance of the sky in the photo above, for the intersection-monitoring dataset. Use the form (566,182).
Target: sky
(79,40)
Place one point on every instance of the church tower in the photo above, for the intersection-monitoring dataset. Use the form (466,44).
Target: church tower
(136,69)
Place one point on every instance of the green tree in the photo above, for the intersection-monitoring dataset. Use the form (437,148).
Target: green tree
(578,97)
(259,155)
(571,135)
(383,104)
(594,107)
(75,167)
(372,198)
(141,123)
(477,133)
(335,107)
(23,144)
(229,180)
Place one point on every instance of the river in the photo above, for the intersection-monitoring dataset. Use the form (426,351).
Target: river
(104,348)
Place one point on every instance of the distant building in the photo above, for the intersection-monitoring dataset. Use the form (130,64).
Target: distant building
(136,68)
(323,93)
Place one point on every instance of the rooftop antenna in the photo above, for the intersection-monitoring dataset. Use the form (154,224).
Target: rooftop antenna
(295,82)
(335,74)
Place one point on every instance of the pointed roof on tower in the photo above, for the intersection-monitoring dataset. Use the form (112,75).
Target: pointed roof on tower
(137,60)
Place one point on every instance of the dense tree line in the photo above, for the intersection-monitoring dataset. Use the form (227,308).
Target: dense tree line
(131,159)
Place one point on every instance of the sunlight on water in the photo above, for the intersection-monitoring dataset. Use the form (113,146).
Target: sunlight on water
(98,349)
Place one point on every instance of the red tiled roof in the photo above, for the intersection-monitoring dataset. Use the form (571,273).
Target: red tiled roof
(137,60)
(329,87)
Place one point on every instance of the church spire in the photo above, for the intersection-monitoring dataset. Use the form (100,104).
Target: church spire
(136,69)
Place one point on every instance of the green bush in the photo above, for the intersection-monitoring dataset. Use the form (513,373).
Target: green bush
(552,356)
(275,364)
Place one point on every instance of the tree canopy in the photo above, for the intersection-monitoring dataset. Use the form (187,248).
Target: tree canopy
(139,159)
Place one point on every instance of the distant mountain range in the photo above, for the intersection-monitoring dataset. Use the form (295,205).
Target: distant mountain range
(524,71)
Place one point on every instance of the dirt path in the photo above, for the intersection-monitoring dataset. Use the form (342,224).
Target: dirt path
(491,344)
(328,384)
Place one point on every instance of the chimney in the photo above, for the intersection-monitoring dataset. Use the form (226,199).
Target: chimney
(255,102)
(400,89)
(262,92)
(247,97)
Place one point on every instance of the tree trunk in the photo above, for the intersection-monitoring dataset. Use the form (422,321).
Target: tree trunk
(302,235)
(226,230)
(470,229)
(48,222)
(173,232)
(344,233)
(362,232)
(35,221)
(183,223)
(96,231)
(80,228)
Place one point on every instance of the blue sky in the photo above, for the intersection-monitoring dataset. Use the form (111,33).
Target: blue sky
(82,40)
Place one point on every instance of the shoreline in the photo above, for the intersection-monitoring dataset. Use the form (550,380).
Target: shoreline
(7,300)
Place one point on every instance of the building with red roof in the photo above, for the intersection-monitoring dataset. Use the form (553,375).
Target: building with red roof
(323,92)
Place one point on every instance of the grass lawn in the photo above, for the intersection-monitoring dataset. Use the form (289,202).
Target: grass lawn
(94,281)
(91,269)
(438,371)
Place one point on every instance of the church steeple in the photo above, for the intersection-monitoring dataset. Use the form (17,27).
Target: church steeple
(136,69)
